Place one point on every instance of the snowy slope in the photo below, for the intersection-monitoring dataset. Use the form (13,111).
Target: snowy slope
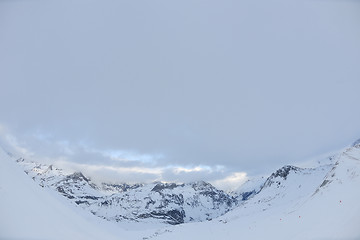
(28,211)
(320,203)
(292,203)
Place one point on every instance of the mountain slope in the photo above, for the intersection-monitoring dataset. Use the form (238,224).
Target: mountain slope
(292,203)
(28,211)
(325,206)
(149,203)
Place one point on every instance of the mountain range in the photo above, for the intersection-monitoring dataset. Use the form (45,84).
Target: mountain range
(156,202)
(319,202)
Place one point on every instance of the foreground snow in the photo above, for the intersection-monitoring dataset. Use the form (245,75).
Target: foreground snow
(293,203)
(28,211)
(331,210)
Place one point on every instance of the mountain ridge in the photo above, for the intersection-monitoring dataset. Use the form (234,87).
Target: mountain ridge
(165,202)
(170,203)
(292,203)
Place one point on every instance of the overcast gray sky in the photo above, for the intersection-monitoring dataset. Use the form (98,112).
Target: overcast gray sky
(179,90)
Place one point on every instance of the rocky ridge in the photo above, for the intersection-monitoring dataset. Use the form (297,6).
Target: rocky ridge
(156,202)
(174,203)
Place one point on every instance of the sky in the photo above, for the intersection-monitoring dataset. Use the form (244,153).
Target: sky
(139,91)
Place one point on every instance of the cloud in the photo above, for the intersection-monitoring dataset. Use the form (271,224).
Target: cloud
(113,174)
(231,182)
(11,143)
(128,155)
(247,85)
(178,170)
(114,166)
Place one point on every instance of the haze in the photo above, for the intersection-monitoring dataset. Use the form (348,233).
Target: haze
(140,91)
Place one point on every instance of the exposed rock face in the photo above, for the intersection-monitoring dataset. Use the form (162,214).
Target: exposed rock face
(356,143)
(284,172)
(170,203)
(279,175)
(176,203)
(161,186)
(109,187)
(160,202)
(246,195)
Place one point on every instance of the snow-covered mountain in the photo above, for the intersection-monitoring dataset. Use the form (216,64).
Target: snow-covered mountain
(28,211)
(157,202)
(292,203)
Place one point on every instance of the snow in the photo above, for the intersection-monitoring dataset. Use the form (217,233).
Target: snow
(156,203)
(28,211)
(310,212)
(307,203)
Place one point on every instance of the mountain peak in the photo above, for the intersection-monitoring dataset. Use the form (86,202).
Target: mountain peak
(161,186)
(356,143)
(284,171)
(281,173)
(201,185)
(78,176)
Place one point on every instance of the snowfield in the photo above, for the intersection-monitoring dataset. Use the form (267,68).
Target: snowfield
(293,203)
(304,206)
(28,211)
